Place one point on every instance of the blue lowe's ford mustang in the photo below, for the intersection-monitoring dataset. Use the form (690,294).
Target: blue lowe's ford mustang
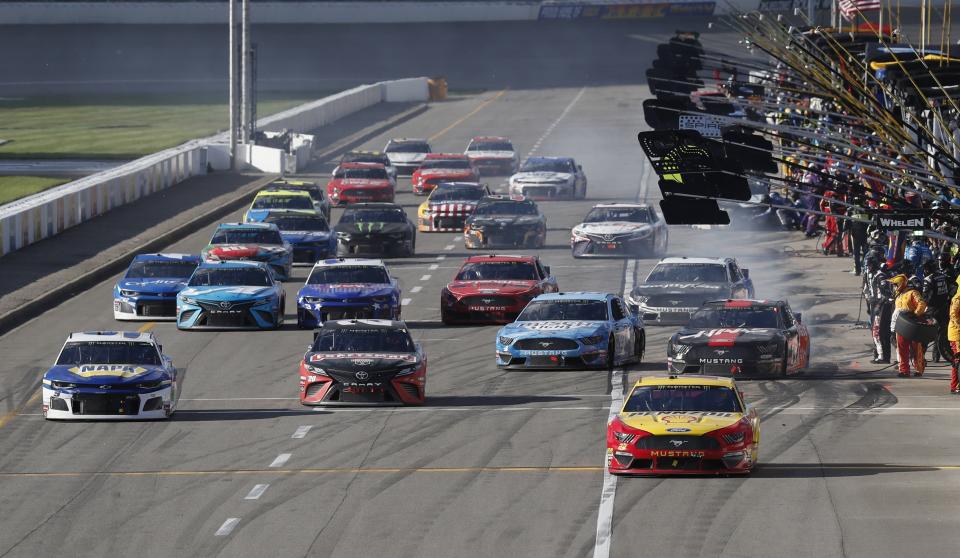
(348,288)
(572,330)
(111,375)
(231,295)
(148,290)
(259,242)
(307,232)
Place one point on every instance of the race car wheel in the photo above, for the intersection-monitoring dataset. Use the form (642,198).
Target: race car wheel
(611,354)
(640,345)
(783,368)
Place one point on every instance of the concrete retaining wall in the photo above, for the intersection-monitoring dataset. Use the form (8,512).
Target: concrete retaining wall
(36,217)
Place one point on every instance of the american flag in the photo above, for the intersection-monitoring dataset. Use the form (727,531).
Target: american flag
(849,8)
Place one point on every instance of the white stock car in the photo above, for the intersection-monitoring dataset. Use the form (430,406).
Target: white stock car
(407,154)
(492,155)
(620,229)
(547,178)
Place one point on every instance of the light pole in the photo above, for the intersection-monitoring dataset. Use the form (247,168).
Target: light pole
(246,103)
(234,85)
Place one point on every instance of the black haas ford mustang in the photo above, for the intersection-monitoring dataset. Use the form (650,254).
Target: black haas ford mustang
(741,337)
(363,362)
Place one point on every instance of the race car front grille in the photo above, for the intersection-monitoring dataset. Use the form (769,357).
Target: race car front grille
(454,222)
(682,300)
(159,308)
(684,443)
(410,389)
(358,313)
(314,389)
(232,315)
(364,194)
(540,191)
(105,404)
(546,344)
(153,404)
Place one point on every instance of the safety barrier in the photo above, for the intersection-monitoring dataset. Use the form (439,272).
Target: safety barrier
(48,213)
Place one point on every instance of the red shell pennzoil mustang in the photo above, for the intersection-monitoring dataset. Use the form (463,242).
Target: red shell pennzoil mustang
(494,289)
(363,362)
(442,167)
(359,183)
(689,425)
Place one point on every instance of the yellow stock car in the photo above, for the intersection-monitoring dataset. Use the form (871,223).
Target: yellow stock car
(683,424)
(277,198)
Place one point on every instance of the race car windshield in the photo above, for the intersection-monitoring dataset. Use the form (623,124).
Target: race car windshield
(548,165)
(365,158)
(379,340)
(490,146)
(371,174)
(298,223)
(507,271)
(457,194)
(230,278)
(409,148)
(246,236)
(342,275)
(735,317)
(608,214)
(283,202)
(315,194)
(373,216)
(109,352)
(507,208)
(547,310)
(660,399)
(688,273)
(446,164)
(150,270)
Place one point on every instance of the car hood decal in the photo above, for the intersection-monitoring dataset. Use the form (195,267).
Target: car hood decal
(709,290)
(406,157)
(558,328)
(504,220)
(461,288)
(372,227)
(372,183)
(613,227)
(296,237)
(153,285)
(686,423)
(490,154)
(226,293)
(458,173)
(106,374)
(243,251)
(725,337)
(344,290)
(545,176)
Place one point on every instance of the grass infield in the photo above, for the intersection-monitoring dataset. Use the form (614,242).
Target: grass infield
(118,126)
(15,187)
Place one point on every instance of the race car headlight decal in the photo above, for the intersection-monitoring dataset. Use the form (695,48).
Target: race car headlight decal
(624,437)
(505,340)
(734,437)
(153,385)
(592,340)
(343,236)
(577,236)
(188,300)
(679,350)
(407,371)
(124,292)
(315,370)
(642,233)
(312,299)
(63,385)
(638,299)
(769,348)
(381,299)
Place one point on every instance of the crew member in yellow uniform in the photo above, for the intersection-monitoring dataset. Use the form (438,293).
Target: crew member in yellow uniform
(908,299)
(953,335)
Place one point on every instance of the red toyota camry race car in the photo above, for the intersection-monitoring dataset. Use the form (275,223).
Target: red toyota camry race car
(494,289)
(442,167)
(360,183)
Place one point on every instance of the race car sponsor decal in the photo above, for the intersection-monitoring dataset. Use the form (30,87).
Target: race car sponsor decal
(558,325)
(720,361)
(117,370)
(225,290)
(152,282)
(664,414)
(723,337)
(678,430)
(318,357)
(684,286)
(679,419)
(676,453)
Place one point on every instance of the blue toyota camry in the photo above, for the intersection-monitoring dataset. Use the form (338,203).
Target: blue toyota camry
(231,295)
(572,331)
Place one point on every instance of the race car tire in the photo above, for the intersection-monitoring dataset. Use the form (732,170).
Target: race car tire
(640,346)
(300,320)
(611,354)
(783,368)
(661,249)
(581,193)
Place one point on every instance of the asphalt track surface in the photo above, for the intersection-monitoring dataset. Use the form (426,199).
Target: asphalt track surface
(854,462)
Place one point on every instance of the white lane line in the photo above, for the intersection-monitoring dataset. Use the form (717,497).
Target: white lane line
(457,238)
(301,431)
(416,289)
(549,130)
(256,492)
(281,460)
(433,266)
(227,527)
(239,399)
(601,548)
(448,247)
(441,257)
(405,301)
(426,277)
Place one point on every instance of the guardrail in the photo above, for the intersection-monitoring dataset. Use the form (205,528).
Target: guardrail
(48,213)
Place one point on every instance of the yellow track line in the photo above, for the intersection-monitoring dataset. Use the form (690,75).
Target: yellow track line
(5,419)
(468,115)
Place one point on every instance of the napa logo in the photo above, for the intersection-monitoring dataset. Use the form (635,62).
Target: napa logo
(118,370)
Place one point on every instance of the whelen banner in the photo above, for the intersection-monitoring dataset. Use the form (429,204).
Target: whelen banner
(903,221)
(633,10)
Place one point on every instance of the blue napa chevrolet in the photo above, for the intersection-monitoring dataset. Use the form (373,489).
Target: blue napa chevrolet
(572,331)
(105,375)
(231,295)
(148,290)
(307,232)
(344,288)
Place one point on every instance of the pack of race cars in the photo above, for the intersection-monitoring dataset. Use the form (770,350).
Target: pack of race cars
(364,354)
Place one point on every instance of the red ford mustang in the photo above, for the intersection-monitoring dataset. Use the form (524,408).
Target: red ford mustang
(494,289)
(442,167)
(359,183)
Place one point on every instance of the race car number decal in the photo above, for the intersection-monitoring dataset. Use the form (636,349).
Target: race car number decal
(317,357)
(118,370)
(557,325)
